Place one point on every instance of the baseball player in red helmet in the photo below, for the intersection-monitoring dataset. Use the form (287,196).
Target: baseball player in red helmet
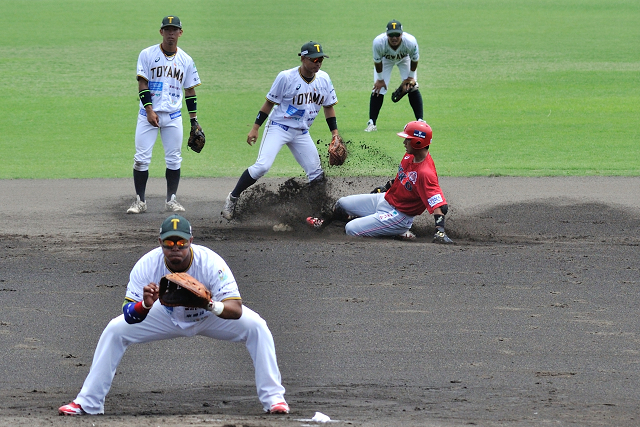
(389,210)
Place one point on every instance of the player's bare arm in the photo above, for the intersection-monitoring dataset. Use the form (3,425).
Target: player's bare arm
(379,83)
(413,67)
(152,117)
(262,114)
(232,309)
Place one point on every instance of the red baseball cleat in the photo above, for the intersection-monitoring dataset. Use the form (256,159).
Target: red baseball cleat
(315,222)
(279,408)
(71,409)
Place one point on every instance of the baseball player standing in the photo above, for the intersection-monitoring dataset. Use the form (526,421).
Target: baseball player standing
(297,95)
(389,210)
(163,71)
(144,319)
(394,47)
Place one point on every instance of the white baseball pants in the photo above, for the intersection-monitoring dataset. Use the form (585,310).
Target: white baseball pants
(404,66)
(376,217)
(118,335)
(274,137)
(171,134)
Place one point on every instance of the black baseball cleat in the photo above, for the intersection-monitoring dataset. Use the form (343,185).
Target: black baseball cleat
(441,237)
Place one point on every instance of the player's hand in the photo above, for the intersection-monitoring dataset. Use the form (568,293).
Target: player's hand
(378,85)
(150,294)
(152,118)
(408,83)
(252,137)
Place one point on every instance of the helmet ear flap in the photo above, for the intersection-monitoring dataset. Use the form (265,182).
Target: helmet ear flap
(417,143)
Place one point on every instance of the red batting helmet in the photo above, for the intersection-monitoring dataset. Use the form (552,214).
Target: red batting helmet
(419,133)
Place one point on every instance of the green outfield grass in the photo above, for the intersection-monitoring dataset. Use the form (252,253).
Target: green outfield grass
(511,87)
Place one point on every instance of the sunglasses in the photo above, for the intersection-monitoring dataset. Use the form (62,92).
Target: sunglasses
(169,244)
(394,35)
(315,60)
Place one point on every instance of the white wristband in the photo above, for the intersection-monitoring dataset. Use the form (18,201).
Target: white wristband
(145,307)
(379,76)
(216,307)
(412,74)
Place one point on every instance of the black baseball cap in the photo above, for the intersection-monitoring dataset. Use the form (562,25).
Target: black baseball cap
(394,28)
(175,226)
(312,50)
(171,21)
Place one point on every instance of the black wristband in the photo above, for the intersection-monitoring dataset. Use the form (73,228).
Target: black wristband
(333,123)
(194,121)
(192,104)
(262,116)
(145,97)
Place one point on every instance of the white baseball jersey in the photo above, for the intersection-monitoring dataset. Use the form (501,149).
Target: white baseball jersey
(163,323)
(298,101)
(207,267)
(408,47)
(167,76)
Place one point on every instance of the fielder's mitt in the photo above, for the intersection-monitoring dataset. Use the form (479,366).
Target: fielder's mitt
(337,151)
(180,289)
(405,87)
(196,138)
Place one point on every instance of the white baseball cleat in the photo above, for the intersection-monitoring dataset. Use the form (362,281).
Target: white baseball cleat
(71,409)
(173,205)
(371,127)
(407,235)
(137,207)
(229,207)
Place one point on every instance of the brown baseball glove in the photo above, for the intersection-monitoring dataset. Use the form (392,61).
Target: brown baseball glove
(196,137)
(405,87)
(180,289)
(337,151)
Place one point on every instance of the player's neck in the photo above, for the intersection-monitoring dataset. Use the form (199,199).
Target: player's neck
(419,156)
(303,73)
(169,51)
(183,266)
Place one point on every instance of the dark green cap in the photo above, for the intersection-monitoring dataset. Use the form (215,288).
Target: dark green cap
(175,226)
(171,21)
(394,28)
(312,50)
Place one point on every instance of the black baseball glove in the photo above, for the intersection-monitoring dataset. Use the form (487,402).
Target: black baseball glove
(405,87)
(383,188)
(196,138)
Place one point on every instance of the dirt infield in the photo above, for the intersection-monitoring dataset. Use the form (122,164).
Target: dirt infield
(530,319)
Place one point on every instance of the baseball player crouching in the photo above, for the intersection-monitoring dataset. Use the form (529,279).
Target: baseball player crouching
(291,106)
(394,47)
(163,71)
(145,319)
(389,210)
